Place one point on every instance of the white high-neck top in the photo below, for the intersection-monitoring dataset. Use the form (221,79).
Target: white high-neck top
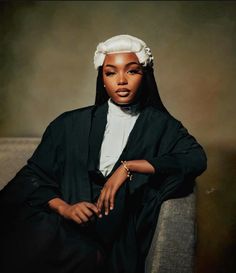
(120,122)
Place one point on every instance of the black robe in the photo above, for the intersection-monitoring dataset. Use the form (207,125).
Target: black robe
(36,239)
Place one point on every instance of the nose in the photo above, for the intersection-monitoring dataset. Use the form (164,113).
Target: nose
(121,79)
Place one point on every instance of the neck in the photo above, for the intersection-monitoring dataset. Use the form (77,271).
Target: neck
(125,105)
(129,108)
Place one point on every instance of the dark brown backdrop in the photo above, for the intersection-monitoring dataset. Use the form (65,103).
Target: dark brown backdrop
(46,64)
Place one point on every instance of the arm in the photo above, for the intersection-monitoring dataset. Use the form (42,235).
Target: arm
(180,156)
(39,180)
(44,171)
(140,166)
(36,181)
(107,196)
(79,213)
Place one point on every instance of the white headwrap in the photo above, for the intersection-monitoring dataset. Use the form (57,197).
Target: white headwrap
(123,43)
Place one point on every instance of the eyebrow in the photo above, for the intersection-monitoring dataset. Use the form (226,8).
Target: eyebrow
(110,65)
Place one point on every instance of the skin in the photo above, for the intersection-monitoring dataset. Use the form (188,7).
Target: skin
(120,71)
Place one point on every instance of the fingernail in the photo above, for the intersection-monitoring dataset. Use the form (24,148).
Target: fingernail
(111,208)
(106,213)
(100,216)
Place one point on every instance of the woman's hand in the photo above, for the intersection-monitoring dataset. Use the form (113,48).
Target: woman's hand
(106,199)
(80,212)
(107,196)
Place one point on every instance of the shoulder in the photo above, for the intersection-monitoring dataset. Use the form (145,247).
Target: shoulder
(168,120)
(72,115)
(67,120)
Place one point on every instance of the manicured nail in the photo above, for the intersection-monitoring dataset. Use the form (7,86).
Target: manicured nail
(111,208)
(106,213)
(100,216)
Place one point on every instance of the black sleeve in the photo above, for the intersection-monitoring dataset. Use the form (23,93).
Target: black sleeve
(38,180)
(46,163)
(183,154)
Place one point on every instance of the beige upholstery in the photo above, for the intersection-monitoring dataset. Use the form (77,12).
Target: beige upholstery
(14,153)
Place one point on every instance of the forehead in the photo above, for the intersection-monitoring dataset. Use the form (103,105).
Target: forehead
(123,58)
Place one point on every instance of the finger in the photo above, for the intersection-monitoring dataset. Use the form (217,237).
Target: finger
(99,211)
(93,208)
(76,219)
(87,212)
(81,215)
(101,200)
(98,203)
(107,202)
(112,200)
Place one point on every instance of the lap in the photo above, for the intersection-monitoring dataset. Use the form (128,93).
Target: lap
(127,231)
(42,241)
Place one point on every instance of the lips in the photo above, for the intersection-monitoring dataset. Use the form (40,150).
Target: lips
(123,92)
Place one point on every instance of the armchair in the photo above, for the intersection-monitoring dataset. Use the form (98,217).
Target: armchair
(173,245)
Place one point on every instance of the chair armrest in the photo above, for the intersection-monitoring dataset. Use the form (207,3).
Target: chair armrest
(14,153)
(173,246)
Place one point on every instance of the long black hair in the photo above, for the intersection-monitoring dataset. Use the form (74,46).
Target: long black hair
(149,95)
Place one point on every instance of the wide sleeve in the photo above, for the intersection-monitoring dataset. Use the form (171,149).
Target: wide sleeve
(180,153)
(38,181)
(46,164)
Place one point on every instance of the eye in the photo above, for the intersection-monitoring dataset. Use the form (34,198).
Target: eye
(134,71)
(109,73)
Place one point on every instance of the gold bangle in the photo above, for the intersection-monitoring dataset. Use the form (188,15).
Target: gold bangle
(129,174)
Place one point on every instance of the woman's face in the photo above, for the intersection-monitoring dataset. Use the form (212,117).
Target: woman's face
(122,76)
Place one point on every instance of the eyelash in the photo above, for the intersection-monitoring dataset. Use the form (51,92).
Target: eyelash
(133,71)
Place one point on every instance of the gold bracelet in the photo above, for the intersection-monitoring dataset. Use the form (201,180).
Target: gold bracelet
(129,174)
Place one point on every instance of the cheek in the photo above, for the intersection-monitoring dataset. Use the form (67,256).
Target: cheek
(110,84)
(136,83)
(106,80)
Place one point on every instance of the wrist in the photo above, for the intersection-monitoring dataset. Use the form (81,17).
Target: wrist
(58,205)
(129,165)
(123,171)
(62,208)
(140,166)
(126,169)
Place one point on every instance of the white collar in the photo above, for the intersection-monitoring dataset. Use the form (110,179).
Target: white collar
(124,111)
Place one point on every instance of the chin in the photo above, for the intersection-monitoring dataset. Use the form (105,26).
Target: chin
(122,100)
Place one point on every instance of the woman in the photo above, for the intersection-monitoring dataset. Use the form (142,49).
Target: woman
(88,199)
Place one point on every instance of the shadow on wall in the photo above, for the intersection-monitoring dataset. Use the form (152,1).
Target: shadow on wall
(216,244)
